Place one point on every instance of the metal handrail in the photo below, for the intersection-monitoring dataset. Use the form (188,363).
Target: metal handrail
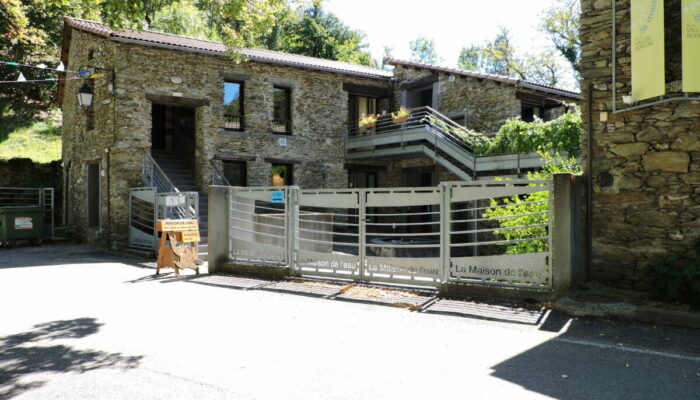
(156,177)
(220,174)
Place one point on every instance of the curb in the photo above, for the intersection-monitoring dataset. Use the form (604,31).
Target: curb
(629,312)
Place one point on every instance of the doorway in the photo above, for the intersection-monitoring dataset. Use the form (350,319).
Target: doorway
(173,131)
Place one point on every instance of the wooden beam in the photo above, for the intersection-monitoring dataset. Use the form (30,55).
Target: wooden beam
(176,101)
(366,90)
(420,83)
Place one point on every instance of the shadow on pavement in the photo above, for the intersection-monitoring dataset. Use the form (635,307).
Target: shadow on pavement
(598,359)
(22,354)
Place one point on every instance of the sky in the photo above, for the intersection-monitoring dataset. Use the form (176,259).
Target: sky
(453,24)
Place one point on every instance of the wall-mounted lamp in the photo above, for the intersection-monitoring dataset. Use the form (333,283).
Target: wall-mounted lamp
(85,94)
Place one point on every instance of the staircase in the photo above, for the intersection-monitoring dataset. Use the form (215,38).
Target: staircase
(429,133)
(181,177)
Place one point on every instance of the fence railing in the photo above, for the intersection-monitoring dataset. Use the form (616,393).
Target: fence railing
(146,206)
(488,233)
(27,197)
(153,175)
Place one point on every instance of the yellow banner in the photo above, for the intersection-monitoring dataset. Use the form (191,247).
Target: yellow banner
(648,58)
(691,45)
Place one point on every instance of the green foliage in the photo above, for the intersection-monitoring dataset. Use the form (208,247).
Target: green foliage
(676,279)
(530,209)
(561,23)
(313,32)
(517,136)
(499,56)
(39,141)
(423,51)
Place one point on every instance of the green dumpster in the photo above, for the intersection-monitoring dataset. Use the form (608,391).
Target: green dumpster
(21,223)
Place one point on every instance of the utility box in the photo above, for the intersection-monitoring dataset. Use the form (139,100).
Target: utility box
(21,223)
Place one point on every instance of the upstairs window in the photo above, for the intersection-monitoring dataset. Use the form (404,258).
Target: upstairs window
(282,111)
(233,106)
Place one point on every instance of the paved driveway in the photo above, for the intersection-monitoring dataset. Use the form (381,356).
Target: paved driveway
(76,323)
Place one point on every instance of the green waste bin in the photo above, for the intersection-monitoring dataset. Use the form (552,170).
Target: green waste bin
(21,223)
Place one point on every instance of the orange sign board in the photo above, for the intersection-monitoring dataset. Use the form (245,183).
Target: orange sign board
(190,237)
(177,225)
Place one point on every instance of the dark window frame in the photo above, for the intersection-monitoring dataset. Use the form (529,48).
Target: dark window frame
(282,126)
(241,116)
(244,173)
(289,179)
(93,194)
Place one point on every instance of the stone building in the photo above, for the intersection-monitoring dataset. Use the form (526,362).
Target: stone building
(275,119)
(644,162)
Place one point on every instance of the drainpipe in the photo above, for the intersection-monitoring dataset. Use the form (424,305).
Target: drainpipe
(589,190)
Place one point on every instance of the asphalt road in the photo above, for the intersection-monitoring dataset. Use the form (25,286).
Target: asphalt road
(76,323)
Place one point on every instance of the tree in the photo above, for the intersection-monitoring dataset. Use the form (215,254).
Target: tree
(183,18)
(470,58)
(423,51)
(561,23)
(388,53)
(314,32)
(500,57)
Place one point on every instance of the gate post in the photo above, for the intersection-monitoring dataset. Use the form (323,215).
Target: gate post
(562,232)
(362,230)
(445,229)
(219,227)
(292,223)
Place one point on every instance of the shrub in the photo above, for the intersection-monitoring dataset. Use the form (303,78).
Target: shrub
(676,279)
(529,204)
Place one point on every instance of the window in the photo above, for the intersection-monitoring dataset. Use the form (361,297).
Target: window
(529,112)
(359,106)
(233,106)
(93,195)
(282,111)
(281,175)
(236,173)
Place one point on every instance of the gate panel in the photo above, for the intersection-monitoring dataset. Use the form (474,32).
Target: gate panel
(142,218)
(500,233)
(402,236)
(258,225)
(328,234)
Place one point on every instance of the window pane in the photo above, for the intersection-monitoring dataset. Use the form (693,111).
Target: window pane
(233,105)
(281,110)
(281,174)
(235,173)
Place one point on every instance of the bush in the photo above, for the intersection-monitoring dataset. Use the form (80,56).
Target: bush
(517,136)
(676,279)
(529,204)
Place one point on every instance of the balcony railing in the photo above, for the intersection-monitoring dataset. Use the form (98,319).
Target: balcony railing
(233,122)
(420,117)
(282,127)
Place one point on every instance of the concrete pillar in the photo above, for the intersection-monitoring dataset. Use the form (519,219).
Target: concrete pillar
(219,243)
(565,218)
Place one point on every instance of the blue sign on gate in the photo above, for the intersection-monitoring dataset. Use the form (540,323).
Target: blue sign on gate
(277,196)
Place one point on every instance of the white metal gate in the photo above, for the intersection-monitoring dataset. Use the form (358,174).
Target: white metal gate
(146,206)
(493,233)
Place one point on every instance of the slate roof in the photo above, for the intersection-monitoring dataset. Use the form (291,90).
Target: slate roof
(481,75)
(185,43)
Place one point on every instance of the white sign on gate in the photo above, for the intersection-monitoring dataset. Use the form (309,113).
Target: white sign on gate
(526,268)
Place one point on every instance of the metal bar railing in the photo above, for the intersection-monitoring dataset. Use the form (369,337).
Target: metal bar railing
(154,176)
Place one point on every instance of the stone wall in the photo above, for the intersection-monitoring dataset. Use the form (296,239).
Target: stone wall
(645,163)
(82,146)
(490,103)
(123,122)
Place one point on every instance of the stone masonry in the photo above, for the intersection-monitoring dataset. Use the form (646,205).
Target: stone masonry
(646,162)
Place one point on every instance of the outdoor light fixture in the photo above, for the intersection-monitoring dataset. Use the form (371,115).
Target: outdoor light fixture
(85,96)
